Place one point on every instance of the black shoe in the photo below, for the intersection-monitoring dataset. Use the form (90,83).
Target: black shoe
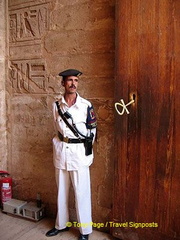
(84,237)
(54,231)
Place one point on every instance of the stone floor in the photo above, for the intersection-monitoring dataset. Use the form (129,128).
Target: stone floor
(15,228)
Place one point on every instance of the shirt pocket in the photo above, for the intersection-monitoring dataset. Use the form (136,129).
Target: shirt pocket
(60,124)
(80,122)
(80,117)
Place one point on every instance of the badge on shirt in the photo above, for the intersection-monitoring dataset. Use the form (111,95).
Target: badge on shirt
(91,121)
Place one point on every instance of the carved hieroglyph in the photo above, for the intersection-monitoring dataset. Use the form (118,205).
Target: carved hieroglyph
(27,26)
(28,76)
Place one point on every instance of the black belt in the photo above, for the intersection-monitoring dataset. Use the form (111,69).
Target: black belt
(70,140)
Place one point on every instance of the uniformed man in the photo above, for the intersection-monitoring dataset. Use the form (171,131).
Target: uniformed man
(75,125)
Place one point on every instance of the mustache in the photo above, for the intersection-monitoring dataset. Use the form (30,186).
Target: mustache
(73,86)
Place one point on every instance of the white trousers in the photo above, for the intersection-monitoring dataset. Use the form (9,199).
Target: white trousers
(81,184)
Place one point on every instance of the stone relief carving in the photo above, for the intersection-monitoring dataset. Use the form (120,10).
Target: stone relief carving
(28,76)
(27,26)
(28,23)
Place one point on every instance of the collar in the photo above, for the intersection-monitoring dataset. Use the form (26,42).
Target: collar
(77,100)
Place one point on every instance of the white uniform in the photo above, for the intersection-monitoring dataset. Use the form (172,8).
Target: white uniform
(72,164)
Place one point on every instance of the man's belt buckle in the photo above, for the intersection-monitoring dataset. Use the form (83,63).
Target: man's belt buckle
(66,139)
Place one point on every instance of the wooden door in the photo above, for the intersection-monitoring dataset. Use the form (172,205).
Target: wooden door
(147,165)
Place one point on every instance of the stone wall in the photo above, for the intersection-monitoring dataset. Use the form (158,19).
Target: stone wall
(46,37)
(3,114)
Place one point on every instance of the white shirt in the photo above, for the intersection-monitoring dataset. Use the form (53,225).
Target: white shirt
(71,156)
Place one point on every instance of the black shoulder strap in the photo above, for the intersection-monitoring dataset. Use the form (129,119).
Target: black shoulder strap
(65,120)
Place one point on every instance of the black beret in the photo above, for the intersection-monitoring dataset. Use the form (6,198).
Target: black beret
(70,72)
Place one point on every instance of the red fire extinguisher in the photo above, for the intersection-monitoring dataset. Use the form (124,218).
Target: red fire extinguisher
(5,187)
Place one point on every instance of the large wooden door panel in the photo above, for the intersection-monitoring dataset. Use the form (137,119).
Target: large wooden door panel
(147,165)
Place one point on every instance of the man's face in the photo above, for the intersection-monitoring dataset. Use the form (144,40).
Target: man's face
(70,84)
